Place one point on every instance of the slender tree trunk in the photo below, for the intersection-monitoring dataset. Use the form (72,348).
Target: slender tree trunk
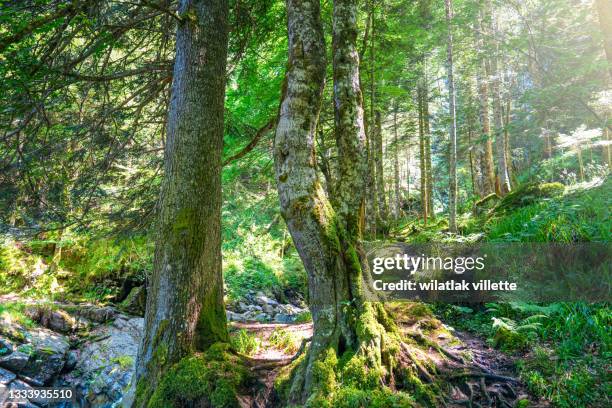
(503,177)
(408,201)
(422,157)
(427,135)
(606,149)
(507,146)
(383,209)
(604,10)
(487,164)
(452,200)
(396,168)
(185,310)
(326,236)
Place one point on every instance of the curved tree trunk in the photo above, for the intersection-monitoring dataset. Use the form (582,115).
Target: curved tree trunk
(326,238)
(185,310)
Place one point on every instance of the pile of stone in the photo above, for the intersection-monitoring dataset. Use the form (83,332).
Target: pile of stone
(258,307)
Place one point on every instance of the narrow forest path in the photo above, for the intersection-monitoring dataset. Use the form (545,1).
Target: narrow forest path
(473,373)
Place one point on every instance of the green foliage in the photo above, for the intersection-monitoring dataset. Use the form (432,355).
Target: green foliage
(570,345)
(284,340)
(244,342)
(527,194)
(582,215)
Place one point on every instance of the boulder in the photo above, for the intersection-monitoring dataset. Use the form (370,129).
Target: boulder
(235,317)
(284,318)
(47,358)
(6,376)
(16,361)
(6,346)
(55,319)
(105,367)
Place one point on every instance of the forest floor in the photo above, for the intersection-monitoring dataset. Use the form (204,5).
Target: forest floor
(471,372)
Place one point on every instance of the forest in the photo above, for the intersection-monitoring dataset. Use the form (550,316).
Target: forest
(192,193)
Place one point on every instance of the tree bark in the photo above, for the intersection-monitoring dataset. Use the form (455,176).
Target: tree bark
(422,157)
(326,238)
(487,165)
(383,209)
(427,136)
(185,310)
(503,177)
(452,196)
(396,169)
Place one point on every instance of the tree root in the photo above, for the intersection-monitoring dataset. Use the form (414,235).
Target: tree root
(423,373)
(421,339)
(487,376)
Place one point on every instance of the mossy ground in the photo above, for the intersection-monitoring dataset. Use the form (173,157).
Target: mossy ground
(214,378)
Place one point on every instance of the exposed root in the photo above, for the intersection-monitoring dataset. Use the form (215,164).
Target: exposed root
(493,377)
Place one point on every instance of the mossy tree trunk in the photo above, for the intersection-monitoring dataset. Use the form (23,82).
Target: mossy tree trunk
(185,310)
(325,235)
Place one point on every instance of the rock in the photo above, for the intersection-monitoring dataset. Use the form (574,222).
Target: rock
(15,361)
(284,318)
(55,319)
(136,301)
(106,367)
(71,360)
(262,317)
(264,300)
(6,376)
(269,309)
(48,356)
(33,403)
(97,314)
(234,317)
(59,321)
(6,347)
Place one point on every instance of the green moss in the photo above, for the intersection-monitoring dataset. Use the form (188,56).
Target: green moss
(185,219)
(528,194)
(324,372)
(215,377)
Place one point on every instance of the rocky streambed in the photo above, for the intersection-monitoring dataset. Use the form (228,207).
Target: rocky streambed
(92,349)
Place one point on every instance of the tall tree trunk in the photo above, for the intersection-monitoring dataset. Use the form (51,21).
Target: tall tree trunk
(604,11)
(452,196)
(482,76)
(185,310)
(503,177)
(370,198)
(326,238)
(427,136)
(422,156)
(383,209)
(507,146)
(396,168)
(408,201)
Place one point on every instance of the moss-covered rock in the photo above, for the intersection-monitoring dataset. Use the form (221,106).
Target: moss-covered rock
(212,379)
(485,204)
(527,194)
